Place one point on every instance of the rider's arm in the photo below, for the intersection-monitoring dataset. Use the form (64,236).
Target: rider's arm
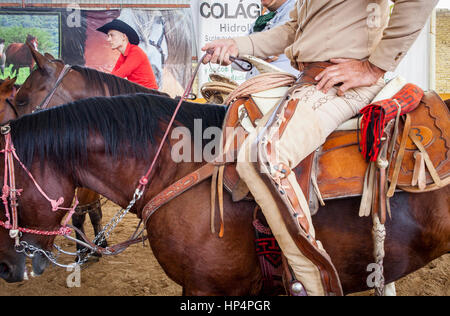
(271,42)
(131,63)
(407,20)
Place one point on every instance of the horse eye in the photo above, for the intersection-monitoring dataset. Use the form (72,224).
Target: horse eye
(21,102)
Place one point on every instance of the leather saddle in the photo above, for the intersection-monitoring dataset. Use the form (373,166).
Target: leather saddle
(337,169)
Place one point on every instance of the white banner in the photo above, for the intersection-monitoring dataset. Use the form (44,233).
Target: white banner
(217,19)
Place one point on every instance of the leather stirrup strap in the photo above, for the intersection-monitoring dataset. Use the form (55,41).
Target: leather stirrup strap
(217,180)
(213,197)
(419,176)
(400,155)
(220,195)
(365,207)
(426,157)
(382,166)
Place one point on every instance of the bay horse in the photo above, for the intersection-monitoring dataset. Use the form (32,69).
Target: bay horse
(107,144)
(78,83)
(18,54)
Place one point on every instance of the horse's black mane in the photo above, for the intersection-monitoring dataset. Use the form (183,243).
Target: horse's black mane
(128,125)
(114,84)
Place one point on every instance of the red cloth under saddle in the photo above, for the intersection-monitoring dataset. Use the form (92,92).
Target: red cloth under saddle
(378,114)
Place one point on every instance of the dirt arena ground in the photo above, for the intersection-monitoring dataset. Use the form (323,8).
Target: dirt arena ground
(137,273)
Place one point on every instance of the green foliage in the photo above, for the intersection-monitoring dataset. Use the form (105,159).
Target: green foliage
(24,72)
(14,28)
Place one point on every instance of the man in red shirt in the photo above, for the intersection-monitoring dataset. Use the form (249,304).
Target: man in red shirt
(133,63)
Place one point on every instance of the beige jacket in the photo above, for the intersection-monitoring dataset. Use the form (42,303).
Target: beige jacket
(320,30)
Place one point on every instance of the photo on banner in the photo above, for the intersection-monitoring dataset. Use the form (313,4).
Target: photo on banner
(219,19)
(41,30)
(166,36)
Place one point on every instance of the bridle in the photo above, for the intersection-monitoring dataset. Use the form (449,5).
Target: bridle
(43,105)
(9,197)
(9,191)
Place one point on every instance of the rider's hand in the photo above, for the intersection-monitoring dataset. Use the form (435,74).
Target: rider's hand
(222,50)
(351,73)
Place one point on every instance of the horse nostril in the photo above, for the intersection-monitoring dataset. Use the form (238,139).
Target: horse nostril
(3,269)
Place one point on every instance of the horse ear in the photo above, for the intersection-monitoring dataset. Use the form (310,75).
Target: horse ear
(49,56)
(12,81)
(41,60)
(8,83)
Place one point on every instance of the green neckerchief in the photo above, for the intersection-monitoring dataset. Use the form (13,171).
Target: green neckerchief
(262,21)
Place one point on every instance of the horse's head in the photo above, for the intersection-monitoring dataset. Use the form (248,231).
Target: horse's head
(12,259)
(32,40)
(12,264)
(7,91)
(35,216)
(39,83)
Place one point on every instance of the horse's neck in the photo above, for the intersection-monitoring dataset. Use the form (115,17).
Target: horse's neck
(103,176)
(123,86)
(117,178)
(87,89)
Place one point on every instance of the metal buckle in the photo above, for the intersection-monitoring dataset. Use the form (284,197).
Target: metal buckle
(13,233)
(5,129)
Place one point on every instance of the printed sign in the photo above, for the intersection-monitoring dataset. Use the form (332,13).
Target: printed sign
(218,19)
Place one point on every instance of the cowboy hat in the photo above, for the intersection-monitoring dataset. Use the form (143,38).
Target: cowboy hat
(123,27)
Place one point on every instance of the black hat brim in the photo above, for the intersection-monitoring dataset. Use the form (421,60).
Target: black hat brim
(122,27)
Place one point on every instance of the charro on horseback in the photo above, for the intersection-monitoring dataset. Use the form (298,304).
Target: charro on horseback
(267,119)
(360,48)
